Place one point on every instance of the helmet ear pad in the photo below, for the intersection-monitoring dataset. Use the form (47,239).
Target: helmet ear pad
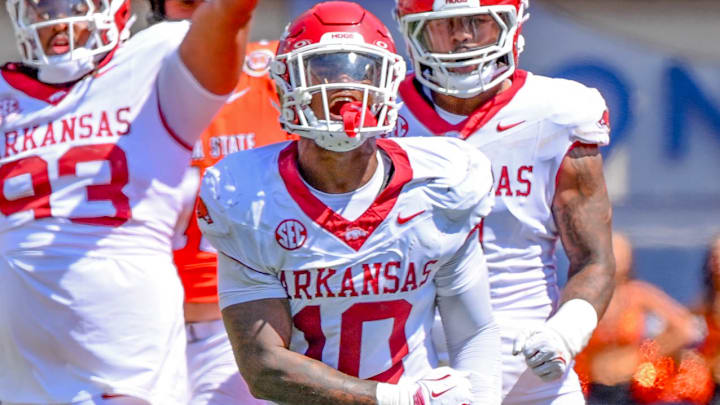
(337,74)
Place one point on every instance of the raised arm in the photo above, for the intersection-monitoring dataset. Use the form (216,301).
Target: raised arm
(214,47)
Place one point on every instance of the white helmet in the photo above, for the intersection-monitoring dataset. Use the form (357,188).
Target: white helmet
(106,21)
(492,63)
(341,59)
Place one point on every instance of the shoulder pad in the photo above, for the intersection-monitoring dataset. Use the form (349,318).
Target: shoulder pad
(459,176)
(580,109)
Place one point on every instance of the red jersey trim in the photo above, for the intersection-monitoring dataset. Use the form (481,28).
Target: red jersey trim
(327,218)
(169,130)
(426,114)
(19,80)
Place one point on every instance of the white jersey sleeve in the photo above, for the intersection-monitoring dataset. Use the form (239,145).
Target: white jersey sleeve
(186,105)
(463,270)
(238,283)
(582,110)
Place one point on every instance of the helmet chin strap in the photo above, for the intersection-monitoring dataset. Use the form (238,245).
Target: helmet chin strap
(66,68)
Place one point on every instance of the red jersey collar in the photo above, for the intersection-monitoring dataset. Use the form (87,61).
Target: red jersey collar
(426,114)
(19,77)
(325,217)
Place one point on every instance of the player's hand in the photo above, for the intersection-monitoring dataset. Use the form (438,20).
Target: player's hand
(444,386)
(545,351)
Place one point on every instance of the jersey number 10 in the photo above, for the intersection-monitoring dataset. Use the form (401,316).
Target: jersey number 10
(309,323)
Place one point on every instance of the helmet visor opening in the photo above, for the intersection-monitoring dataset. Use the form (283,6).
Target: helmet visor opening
(462,34)
(38,11)
(343,67)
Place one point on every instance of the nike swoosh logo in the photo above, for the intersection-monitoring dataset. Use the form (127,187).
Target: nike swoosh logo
(437,394)
(501,127)
(404,220)
(237,95)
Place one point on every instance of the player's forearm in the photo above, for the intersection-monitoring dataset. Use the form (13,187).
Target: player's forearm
(593,282)
(583,215)
(210,50)
(283,376)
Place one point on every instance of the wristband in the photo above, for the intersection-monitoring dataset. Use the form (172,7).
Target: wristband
(391,394)
(575,322)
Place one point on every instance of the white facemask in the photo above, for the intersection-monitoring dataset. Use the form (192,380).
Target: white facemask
(466,82)
(65,68)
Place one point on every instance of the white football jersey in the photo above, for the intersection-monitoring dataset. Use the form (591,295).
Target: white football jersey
(83,161)
(89,178)
(361,293)
(525,131)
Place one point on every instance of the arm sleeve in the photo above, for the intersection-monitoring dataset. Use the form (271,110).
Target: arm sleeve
(473,338)
(238,283)
(463,269)
(186,107)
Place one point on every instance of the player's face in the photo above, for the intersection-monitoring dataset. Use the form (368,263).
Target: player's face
(55,38)
(460,34)
(181,9)
(341,68)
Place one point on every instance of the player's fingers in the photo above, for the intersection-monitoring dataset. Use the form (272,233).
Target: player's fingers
(550,370)
(538,358)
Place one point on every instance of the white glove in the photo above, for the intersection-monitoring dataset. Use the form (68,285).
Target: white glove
(548,349)
(441,386)
(546,353)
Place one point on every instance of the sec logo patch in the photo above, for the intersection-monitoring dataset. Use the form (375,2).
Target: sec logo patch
(401,127)
(291,234)
(9,108)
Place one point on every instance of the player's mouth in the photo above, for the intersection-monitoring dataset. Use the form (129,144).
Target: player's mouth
(462,69)
(60,44)
(337,101)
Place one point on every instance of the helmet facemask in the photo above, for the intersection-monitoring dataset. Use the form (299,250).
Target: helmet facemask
(480,57)
(338,94)
(94,19)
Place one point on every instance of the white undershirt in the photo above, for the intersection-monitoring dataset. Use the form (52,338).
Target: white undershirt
(451,118)
(354,203)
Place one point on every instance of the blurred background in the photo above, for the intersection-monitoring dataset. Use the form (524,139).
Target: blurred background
(657,62)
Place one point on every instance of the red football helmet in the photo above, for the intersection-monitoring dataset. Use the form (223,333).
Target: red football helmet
(338,74)
(462,47)
(107,22)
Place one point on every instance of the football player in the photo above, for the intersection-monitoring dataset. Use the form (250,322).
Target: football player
(248,119)
(97,132)
(334,249)
(542,137)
